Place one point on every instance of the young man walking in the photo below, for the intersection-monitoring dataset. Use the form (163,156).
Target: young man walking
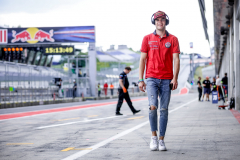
(123,93)
(159,50)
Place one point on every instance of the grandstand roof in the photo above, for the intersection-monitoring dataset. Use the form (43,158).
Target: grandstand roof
(117,55)
(102,57)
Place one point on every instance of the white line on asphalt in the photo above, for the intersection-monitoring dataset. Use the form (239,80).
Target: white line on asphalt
(90,120)
(60,111)
(96,146)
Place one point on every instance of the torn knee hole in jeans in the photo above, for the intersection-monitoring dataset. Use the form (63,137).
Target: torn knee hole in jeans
(152,107)
(163,109)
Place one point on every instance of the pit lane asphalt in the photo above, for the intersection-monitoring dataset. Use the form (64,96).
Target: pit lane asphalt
(23,139)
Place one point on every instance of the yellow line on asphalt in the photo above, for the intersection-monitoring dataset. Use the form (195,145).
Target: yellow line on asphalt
(93,116)
(136,117)
(67,149)
(18,143)
(72,148)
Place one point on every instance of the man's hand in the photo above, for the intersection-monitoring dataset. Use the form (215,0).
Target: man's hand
(124,90)
(142,86)
(175,84)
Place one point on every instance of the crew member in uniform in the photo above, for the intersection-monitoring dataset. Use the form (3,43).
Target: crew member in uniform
(123,93)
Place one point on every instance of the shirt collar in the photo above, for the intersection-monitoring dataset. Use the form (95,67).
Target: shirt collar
(166,35)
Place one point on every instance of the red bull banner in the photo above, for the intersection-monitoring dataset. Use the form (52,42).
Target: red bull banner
(50,35)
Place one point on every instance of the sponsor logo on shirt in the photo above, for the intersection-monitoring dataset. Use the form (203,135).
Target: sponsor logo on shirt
(167,45)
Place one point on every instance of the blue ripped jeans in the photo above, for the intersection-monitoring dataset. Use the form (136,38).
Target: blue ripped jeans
(158,88)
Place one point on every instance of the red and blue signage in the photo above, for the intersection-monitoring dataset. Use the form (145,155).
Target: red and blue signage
(50,35)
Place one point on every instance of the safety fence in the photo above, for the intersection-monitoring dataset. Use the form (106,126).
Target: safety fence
(114,92)
(28,83)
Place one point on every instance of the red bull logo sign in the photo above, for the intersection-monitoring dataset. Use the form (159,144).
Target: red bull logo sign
(51,35)
(32,35)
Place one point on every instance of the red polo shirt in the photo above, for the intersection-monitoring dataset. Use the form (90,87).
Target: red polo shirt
(160,55)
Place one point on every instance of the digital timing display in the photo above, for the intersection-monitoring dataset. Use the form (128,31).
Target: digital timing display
(63,50)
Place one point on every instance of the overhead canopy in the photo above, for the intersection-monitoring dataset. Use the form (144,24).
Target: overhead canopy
(204,21)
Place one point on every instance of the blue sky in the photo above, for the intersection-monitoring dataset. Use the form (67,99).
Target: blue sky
(117,22)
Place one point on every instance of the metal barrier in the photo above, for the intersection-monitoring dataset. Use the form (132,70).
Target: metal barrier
(21,83)
(29,83)
(115,91)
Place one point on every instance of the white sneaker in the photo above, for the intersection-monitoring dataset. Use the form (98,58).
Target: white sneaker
(161,146)
(154,143)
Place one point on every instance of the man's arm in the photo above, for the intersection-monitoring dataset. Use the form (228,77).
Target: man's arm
(176,70)
(142,85)
(142,64)
(122,85)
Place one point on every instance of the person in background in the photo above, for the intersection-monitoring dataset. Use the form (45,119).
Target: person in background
(105,88)
(74,88)
(59,84)
(123,93)
(218,81)
(73,65)
(99,90)
(111,88)
(220,92)
(210,85)
(62,92)
(80,73)
(73,68)
(214,84)
(199,89)
(207,87)
(225,84)
(219,89)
